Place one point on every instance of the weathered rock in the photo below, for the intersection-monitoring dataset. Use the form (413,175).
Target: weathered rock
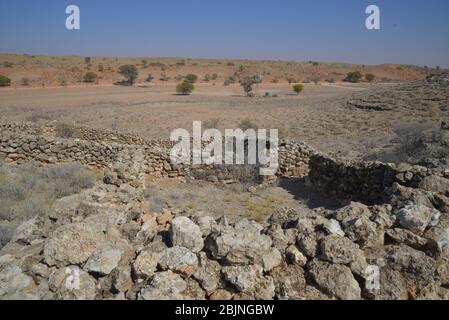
(178,259)
(207,273)
(13,282)
(418,217)
(146,263)
(289,282)
(339,250)
(73,283)
(435,184)
(164,286)
(185,233)
(250,281)
(271,259)
(335,279)
(73,244)
(104,259)
(241,244)
(294,256)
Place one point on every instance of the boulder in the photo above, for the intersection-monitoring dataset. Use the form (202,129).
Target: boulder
(250,281)
(178,259)
(340,250)
(104,259)
(73,244)
(185,233)
(417,218)
(164,286)
(335,279)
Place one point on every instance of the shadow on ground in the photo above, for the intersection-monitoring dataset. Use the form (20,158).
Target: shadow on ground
(305,194)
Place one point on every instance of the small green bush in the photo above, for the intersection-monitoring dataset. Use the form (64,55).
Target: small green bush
(298,88)
(90,77)
(370,77)
(185,88)
(129,71)
(354,77)
(191,78)
(4,81)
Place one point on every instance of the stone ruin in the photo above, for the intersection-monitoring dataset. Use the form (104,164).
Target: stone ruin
(389,239)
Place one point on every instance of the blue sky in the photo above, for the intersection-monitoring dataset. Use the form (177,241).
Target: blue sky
(413,31)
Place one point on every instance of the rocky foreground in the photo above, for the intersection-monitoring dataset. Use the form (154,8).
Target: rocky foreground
(105,244)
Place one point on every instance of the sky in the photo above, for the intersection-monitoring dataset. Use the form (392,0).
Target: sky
(412,31)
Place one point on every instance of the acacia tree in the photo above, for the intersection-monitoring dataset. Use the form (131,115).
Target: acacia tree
(185,88)
(298,88)
(129,71)
(370,77)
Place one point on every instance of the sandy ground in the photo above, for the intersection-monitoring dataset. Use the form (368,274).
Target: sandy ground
(319,115)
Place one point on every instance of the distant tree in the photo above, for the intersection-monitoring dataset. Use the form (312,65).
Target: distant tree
(191,78)
(149,78)
(144,63)
(185,88)
(129,71)
(241,68)
(291,80)
(4,81)
(207,77)
(214,76)
(247,84)
(298,88)
(370,77)
(353,77)
(90,77)
(87,60)
(100,67)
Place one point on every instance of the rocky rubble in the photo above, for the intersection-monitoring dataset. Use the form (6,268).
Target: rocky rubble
(105,244)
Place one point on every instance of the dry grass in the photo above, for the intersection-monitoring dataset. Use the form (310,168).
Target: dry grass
(27,191)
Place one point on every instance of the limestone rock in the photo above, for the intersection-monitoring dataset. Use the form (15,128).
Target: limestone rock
(185,233)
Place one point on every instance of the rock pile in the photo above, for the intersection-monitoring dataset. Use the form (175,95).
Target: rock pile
(105,244)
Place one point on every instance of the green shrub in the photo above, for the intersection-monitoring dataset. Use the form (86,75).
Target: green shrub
(214,76)
(298,88)
(100,67)
(207,77)
(291,80)
(90,77)
(87,60)
(129,71)
(370,77)
(185,88)
(191,78)
(354,77)
(4,81)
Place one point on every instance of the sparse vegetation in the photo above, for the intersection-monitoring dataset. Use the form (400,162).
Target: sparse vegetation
(370,77)
(298,88)
(185,88)
(149,78)
(7,64)
(247,85)
(90,77)
(129,71)
(67,130)
(25,81)
(211,123)
(247,124)
(4,81)
(27,191)
(354,77)
(191,78)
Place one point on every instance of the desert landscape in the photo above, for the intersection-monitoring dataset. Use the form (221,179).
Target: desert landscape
(92,207)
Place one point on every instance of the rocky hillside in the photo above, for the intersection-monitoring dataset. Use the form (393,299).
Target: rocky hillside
(389,242)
